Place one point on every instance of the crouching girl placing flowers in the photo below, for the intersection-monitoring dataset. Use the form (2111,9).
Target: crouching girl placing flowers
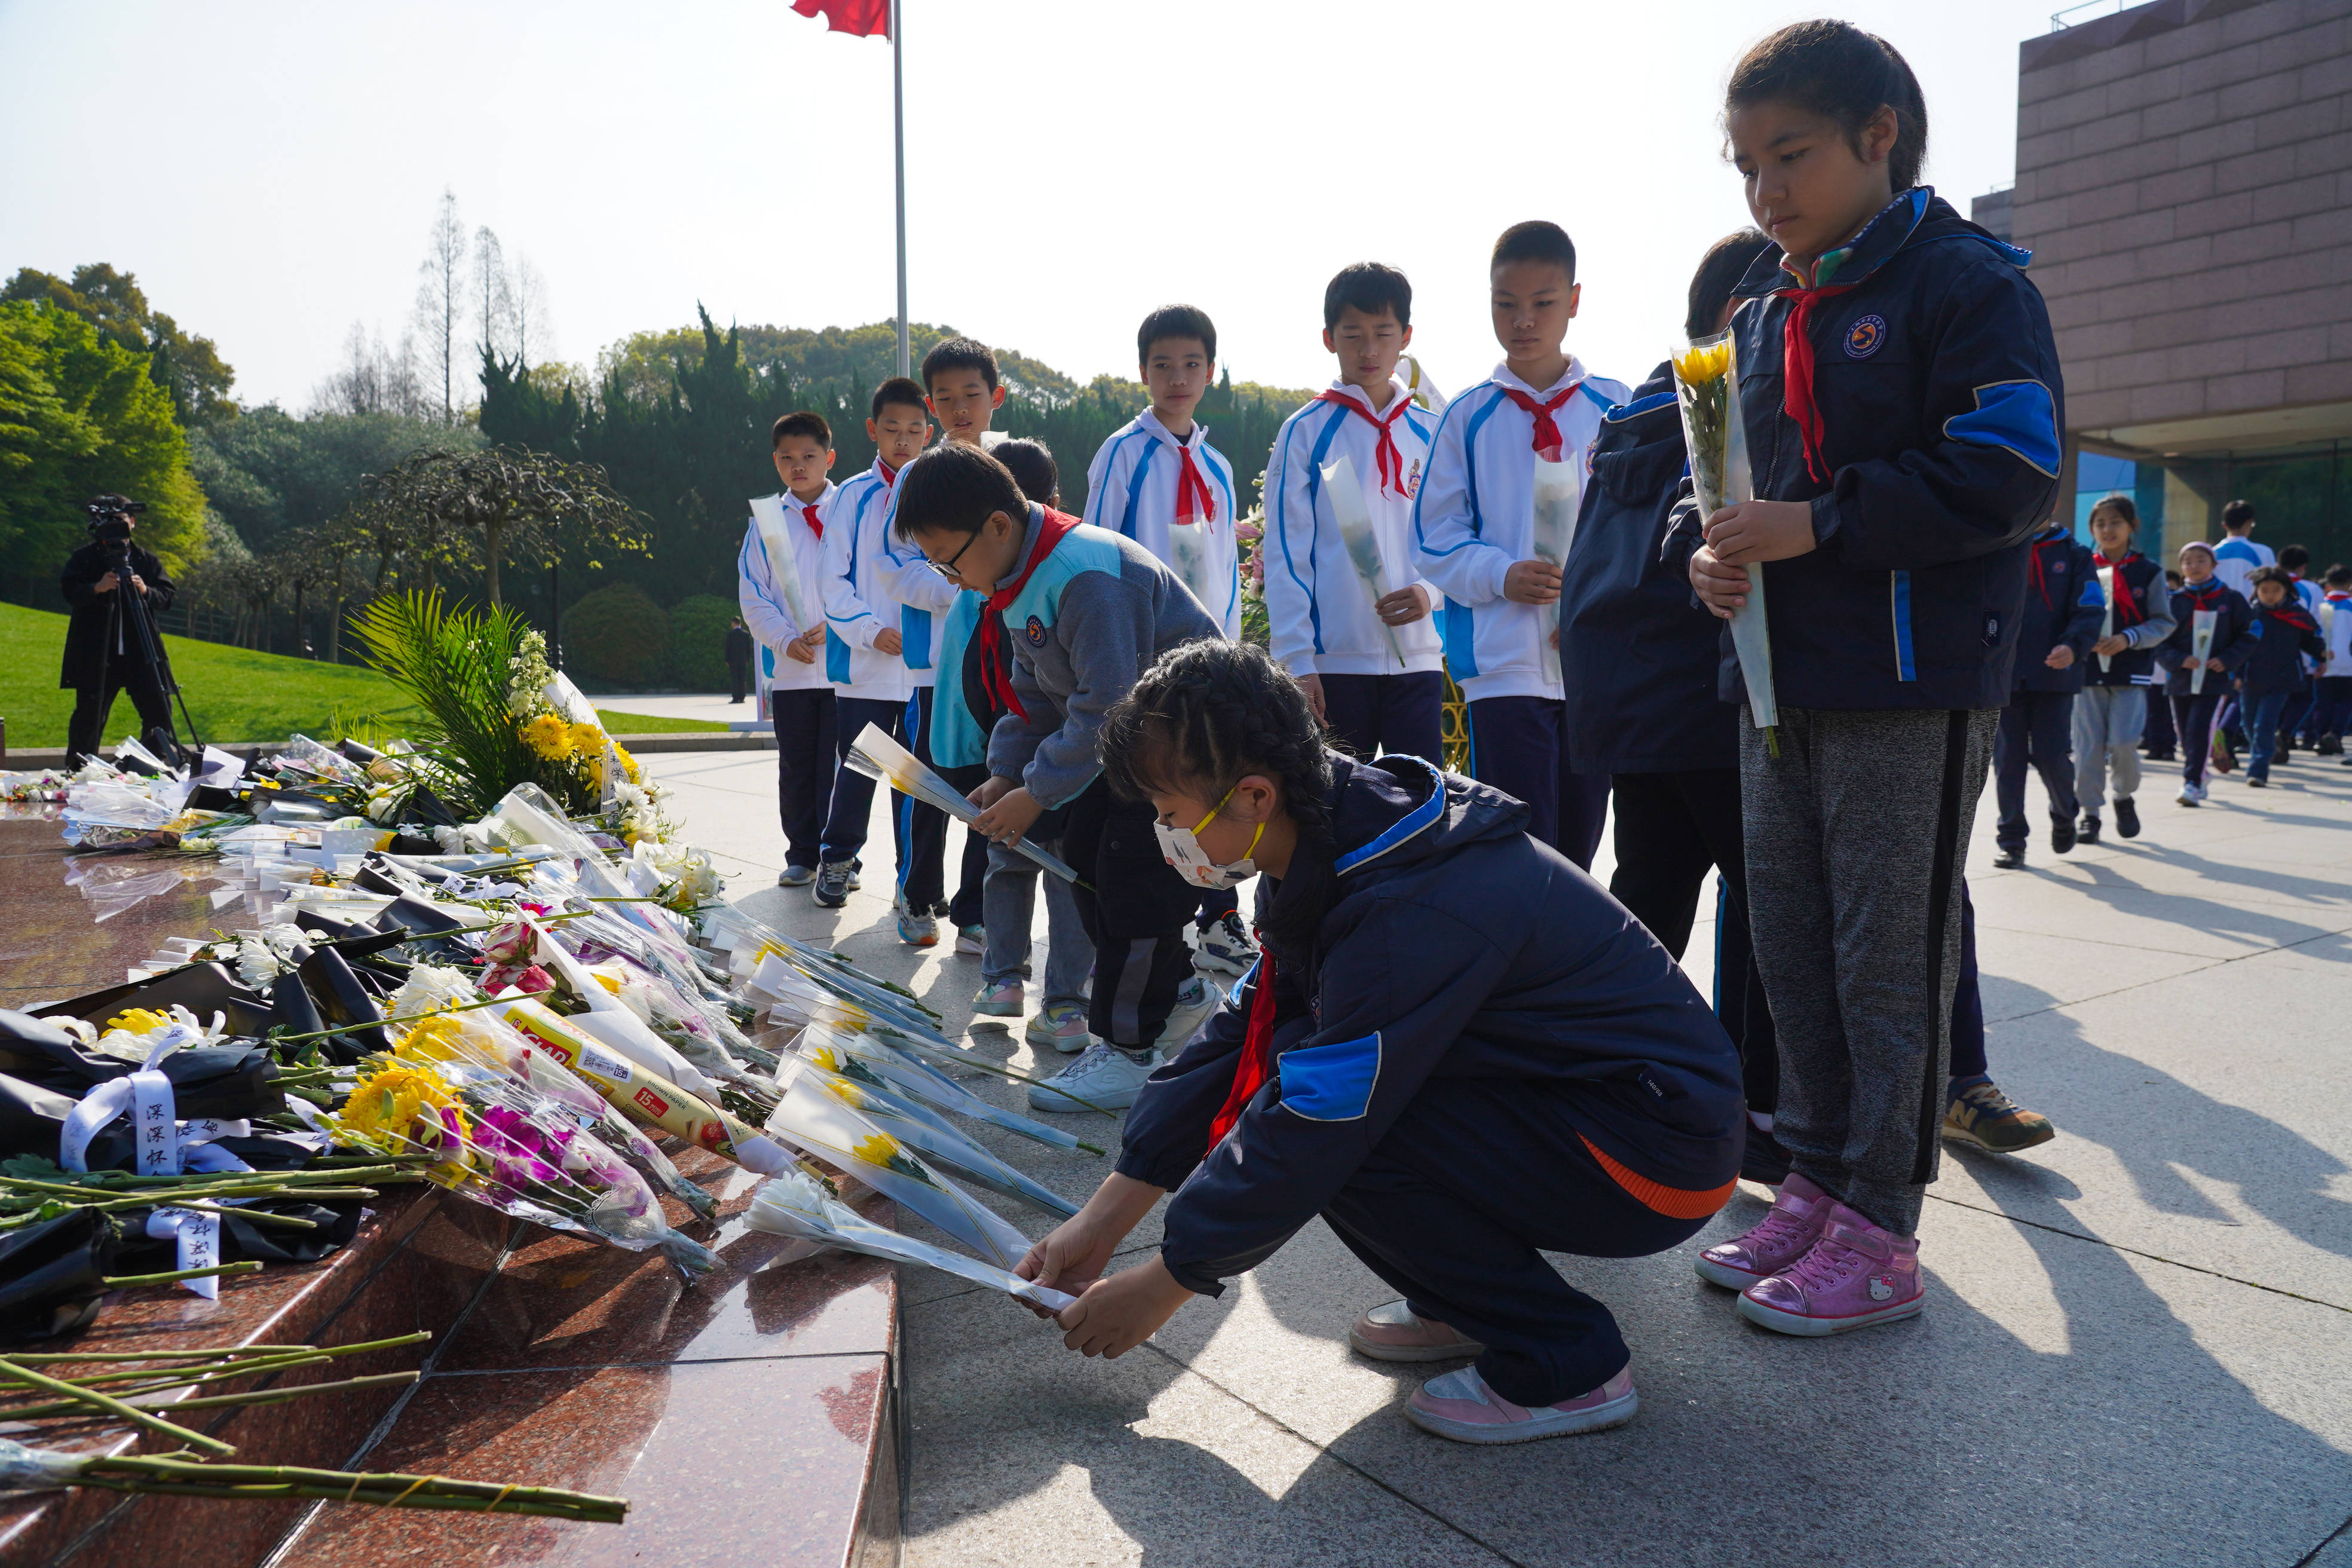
(1456,1049)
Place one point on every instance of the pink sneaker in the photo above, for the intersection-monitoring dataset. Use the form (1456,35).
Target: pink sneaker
(1856,1275)
(1461,1407)
(1780,1238)
(1391,1333)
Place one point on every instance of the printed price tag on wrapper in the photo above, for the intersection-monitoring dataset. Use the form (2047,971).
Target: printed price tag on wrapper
(1363,542)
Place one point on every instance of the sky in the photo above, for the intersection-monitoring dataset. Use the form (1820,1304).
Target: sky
(270,170)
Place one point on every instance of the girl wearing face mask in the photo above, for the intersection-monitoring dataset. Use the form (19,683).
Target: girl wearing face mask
(1455,1048)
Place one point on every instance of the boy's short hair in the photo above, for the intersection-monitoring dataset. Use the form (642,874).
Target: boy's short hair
(2278,574)
(899,390)
(1370,288)
(2293,556)
(806,422)
(955,488)
(2338,576)
(2172,578)
(1726,261)
(1175,321)
(1032,465)
(2237,514)
(2121,505)
(1536,240)
(959,354)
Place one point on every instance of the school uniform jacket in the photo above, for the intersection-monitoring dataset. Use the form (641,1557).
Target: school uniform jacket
(1319,617)
(1131,491)
(1474,518)
(1093,617)
(1449,945)
(2236,559)
(2283,634)
(2065,606)
(2336,622)
(767,612)
(2232,642)
(874,582)
(1937,403)
(2143,619)
(1638,652)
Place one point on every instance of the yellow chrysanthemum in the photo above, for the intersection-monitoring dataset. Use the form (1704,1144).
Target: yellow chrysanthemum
(138,1021)
(436,1039)
(629,764)
(384,1109)
(549,736)
(1701,364)
(586,739)
(879,1149)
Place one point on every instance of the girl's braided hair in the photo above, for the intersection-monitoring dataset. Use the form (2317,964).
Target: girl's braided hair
(1209,712)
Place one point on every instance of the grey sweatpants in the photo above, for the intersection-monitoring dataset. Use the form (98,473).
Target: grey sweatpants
(2108,724)
(1854,839)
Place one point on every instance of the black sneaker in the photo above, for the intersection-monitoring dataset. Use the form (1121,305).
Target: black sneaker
(2126,818)
(2010,859)
(835,881)
(2089,831)
(1764,1160)
(2329,746)
(2062,834)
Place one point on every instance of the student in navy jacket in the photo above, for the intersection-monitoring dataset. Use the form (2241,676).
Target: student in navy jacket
(1899,387)
(1455,1048)
(1641,659)
(2112,712)
(2225,654)
(2285,632)
(2064,610)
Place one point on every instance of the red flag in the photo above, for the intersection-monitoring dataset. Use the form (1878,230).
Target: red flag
(860,18)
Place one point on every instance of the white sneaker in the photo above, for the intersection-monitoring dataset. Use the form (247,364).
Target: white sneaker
(1061,1026)
(1195,1000)
(1106,1078)
(2190,794)
(1225,945)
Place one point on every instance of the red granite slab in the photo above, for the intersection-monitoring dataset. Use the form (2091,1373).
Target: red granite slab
(54,942)
(780,1462)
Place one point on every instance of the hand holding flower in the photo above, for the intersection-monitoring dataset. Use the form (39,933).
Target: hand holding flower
(1720,588)
(1761,531)
(1118,1314)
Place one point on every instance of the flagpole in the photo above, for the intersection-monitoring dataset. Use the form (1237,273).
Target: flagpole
(898,124)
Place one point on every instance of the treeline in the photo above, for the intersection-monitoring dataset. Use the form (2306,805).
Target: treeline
(679,421)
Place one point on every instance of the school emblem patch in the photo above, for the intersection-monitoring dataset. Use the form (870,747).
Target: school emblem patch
(1862,338)
(1412,480)
(1035,632)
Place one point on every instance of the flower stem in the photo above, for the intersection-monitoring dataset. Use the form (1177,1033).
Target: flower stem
(127,1281)
(111,1406)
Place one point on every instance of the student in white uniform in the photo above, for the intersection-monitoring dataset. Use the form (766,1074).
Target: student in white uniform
(1522,437)
(789,663)
(880,601)
(1158,481)
(1366,655)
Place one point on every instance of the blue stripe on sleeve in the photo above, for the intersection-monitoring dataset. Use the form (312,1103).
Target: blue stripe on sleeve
(1899,587)
(2015,416)
(1332,1083)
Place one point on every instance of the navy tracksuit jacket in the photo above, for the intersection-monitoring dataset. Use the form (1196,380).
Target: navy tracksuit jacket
(2143,580)
(1478,1054)
(2281,635)
(1936,385)
(2063,606)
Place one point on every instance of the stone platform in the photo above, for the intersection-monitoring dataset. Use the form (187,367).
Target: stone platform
(756,1418)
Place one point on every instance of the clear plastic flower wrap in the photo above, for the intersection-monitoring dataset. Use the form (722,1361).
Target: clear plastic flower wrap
(512,1149)
(883,760)
(867,1059)
(1706,384)
(928,1133)
(1356,531)
(796,1205)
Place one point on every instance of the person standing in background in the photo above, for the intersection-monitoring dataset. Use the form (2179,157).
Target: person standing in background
(738,660)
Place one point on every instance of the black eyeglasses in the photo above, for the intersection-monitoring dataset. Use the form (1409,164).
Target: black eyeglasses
(947,568)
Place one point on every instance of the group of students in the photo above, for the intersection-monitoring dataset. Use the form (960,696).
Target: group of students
(2246,651)
(1450,1043)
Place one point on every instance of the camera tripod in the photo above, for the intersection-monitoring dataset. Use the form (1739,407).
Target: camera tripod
(144,647)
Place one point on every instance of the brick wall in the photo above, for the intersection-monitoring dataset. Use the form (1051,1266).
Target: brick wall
(2184,177)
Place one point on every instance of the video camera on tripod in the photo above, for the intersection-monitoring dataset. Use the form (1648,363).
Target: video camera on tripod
(129,627)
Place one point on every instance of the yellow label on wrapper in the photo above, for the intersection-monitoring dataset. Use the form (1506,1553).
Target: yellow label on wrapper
(646,1096)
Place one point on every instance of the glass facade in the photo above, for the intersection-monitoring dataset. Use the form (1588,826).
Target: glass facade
(2302,495)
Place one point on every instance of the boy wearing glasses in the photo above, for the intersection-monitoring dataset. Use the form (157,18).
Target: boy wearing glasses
(1086,611)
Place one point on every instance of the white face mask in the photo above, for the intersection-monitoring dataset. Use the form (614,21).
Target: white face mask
(1183,851)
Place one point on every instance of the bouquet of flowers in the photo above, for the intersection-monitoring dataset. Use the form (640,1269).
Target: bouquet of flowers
(868,1059)
(796,1205)
(928,1133)
(1355,520)
(1706,383)
(519,1152)
(768,513)
(879,757)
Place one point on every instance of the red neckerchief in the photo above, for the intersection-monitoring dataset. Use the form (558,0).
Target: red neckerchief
(2291,614)
(889,474)
(2127,610)
(992,615)
(1195,503)
(1255,1064)
(1548,441)
(815,527)
(2206,595)
(1797,366)
(1385,457)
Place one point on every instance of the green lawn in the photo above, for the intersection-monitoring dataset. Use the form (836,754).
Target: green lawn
(617,722)
(234,693)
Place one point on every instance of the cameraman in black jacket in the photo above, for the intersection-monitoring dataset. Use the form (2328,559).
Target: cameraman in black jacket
(104,656)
